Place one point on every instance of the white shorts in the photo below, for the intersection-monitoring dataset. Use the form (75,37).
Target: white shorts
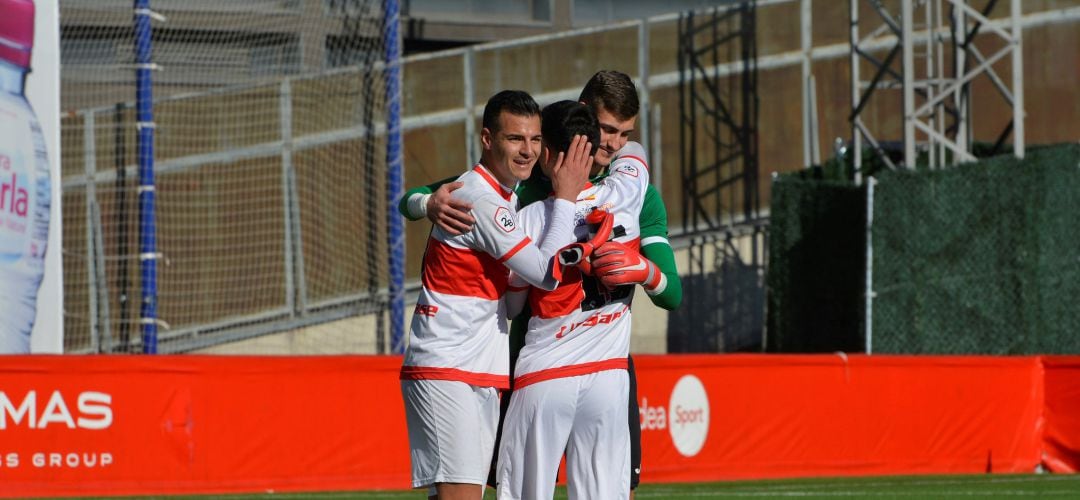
(451,430)
(583,415)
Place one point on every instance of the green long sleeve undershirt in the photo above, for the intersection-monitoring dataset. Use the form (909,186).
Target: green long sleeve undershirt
(664,258)
(403,203)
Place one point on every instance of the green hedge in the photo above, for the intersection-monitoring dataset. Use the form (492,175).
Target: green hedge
(815,276)
(979,258)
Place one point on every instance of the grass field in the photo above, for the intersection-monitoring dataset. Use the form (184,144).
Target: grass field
(907,487)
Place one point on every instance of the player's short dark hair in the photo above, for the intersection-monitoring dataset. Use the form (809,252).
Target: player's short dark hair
(515,102)
(613,91)
(561,121)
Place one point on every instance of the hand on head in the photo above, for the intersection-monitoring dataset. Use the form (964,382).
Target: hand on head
(571,169)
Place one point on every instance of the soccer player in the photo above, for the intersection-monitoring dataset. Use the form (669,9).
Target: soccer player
(613,97)
(571,387)
(458,357)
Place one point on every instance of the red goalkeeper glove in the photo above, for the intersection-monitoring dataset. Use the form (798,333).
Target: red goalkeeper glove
(577,254)
(616,264)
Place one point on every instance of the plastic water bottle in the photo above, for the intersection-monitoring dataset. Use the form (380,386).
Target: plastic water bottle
(24,182)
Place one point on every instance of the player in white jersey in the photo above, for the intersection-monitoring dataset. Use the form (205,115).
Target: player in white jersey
(570,382)
(457,355)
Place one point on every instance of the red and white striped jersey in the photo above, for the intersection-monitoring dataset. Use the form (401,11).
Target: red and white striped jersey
(581,327)
(459,329)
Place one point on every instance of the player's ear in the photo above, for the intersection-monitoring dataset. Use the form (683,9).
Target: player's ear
(548,155)
(486,138)
(547,159)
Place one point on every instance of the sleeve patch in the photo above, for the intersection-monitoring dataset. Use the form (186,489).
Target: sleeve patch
(627,168)
(505,219)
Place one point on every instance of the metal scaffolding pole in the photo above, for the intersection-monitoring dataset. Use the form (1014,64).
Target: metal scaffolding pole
(719,170)
(929,96)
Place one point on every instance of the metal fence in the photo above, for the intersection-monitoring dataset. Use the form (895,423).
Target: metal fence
(270,190)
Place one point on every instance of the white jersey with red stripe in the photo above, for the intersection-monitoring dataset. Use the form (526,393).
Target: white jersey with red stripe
(459,329)
(581,327)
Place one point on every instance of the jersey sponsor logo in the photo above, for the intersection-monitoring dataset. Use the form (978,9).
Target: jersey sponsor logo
(686,417)
(505,219)
(596,319)
(426,310)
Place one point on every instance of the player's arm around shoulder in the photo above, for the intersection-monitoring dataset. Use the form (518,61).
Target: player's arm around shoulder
(437,203)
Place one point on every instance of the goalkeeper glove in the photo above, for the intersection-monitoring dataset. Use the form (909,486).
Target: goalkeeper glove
(577,254)
(616,264)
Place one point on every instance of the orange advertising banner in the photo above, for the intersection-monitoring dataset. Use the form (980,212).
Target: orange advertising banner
(1062,413)
(708,417)
(122,425)
(79,425)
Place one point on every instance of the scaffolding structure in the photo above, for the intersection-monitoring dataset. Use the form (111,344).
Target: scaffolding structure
(718,112)
(935,42)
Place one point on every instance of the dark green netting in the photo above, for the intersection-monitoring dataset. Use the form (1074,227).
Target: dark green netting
(981,258)
(816,254)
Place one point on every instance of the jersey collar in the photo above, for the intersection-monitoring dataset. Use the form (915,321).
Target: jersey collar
(503,191)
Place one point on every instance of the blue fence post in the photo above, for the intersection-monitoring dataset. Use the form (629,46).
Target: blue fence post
(145,123)
(395,224)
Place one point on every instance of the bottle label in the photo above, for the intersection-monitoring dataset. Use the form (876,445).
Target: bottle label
(20,194)
(24,220)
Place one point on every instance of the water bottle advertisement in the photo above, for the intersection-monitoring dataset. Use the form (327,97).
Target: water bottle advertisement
(31,290)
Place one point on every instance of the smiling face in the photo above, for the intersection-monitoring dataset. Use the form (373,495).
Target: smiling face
(511,151)
(614,132)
